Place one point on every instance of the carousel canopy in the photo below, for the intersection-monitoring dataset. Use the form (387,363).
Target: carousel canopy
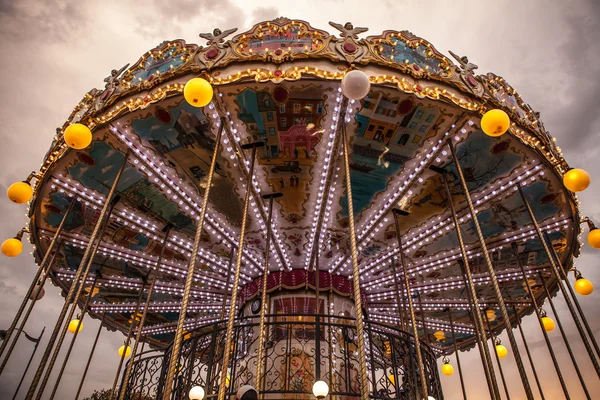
(280,83)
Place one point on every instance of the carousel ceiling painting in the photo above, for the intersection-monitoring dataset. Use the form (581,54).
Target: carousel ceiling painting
(278,89)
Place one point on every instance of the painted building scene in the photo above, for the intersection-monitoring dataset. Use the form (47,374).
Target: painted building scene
(290,40)
(288,122)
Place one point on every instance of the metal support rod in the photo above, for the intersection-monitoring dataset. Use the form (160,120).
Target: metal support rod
(140,326)
(560,284)
(411,307)
(263,298)
(74,338)
(460,374)
(29,363)
(227,350)
(189,280)
(27,313)
(317,313)
(541,324)
(564,276)
(492,275)
(425,335)
(564,337)
(535,375)
(40,271)
(493,340)
(226,288)
(362,376)
(87,365)
(108,205)
(113,394)
(484,352)
(398,294)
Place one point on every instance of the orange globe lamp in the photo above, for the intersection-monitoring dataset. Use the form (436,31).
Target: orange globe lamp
(73,326)
(583,286)
(124,351)
(576,180)
(12,247)
(447,369)
(501,351)
(548,324)
(198,92)
(78,136)
(593,238)
(495,122)
(19,192)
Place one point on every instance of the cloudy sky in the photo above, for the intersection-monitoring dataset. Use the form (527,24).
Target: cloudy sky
(54,51)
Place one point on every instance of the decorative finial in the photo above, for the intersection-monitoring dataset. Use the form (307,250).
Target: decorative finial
(348,30)
(217,37)
(464,63)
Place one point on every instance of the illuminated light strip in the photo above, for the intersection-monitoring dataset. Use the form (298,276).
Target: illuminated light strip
(169,328)
(374,223)
(493,191)
(448,256)
(179,193)
(160,307)
(137,258)
(256,189)
(456,282)
(325,185)
(137,285)
(429,325)
(180,243)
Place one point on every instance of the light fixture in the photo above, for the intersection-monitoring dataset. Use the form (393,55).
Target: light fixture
(198,92)
(495,122)
(576,180)
(78,136)
(582,286)
(12,247)
(196,393)
(20,192)
(356,85)
(124,351)
(76,325)
(320,389)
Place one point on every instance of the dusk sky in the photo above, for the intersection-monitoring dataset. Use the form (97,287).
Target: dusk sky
(54,51)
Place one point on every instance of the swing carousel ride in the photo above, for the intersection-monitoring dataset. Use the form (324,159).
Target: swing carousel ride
(286,151)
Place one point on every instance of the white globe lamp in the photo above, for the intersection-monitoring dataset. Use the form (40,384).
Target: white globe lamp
(196,393)
(320,389)
(356,85)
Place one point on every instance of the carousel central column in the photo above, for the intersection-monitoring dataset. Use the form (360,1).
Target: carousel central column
(364,384)
(236,276)
(191,269)
(263,302)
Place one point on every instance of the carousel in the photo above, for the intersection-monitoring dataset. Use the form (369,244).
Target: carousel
(290,214)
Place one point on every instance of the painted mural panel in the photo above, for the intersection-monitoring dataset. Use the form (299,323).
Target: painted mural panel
(288,121)
(182,135)
(417,57)
(271,38)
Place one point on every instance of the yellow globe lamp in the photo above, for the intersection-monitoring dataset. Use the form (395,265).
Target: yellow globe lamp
(582,286)
(576,180)
(593,238)
(501,351)
(124,351)
(12,247)
(495,122)
(20,192)
(73,326)
(78,136)
(548,324)
(439,335)
(447,369)
(198,92)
